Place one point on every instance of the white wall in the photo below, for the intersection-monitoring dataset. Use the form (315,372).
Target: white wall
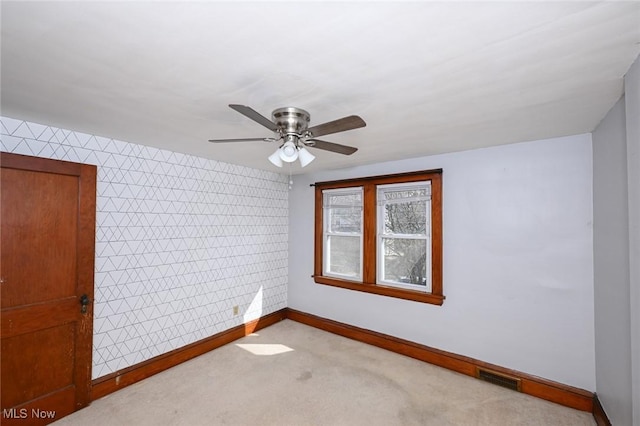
(180,240)
(611,266)
(616,162)
(632,109)
(518,256)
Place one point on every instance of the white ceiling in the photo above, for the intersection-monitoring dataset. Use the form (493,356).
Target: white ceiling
(427,77)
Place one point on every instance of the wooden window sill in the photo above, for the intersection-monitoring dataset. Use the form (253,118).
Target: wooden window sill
(400,293)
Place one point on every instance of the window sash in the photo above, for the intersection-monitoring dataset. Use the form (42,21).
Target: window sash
(396,283)
(328,232)
(383,234)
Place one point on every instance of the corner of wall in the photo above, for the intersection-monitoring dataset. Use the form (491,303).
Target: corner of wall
(632,105)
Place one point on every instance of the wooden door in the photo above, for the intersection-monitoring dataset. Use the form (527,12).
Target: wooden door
(47,250)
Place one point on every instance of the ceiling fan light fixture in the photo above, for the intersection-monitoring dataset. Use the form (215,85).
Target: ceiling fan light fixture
(291,126)
(289,152)
(305,157)
(275,158)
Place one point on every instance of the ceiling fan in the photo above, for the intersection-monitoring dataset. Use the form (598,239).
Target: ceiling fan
(291,128)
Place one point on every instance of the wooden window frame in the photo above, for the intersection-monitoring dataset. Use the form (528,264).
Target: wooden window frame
(369,238)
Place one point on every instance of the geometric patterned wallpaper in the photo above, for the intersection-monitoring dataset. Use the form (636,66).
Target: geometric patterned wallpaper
(180,241)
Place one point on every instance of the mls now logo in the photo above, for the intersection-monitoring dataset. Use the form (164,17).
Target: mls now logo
(14,413)
(23,413)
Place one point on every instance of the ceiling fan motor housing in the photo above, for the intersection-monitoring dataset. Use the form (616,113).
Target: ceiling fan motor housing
(291,120)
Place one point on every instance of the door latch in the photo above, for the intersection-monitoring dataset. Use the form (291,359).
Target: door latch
(84,301)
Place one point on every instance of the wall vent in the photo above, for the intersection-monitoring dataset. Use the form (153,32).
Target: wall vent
(499,379)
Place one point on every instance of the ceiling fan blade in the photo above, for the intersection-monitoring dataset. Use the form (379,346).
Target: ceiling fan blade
(239,140)
(339,125)
(255,116)
(330,146)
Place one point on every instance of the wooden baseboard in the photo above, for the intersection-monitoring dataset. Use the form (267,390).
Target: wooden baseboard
(598,413)
(542,388)
(112,382)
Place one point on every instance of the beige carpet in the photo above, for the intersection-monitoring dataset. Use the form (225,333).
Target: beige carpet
(292,374)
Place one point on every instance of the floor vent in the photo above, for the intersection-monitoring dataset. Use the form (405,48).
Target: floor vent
(499,379)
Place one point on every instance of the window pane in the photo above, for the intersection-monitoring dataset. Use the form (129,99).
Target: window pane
(343,210)
(405,261)
(345,219)
(406,218)
(344,255)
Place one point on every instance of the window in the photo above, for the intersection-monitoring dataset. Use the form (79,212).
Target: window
(343,233)
(381,235)
(404,226)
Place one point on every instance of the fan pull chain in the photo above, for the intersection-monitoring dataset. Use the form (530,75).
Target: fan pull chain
(290,178)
